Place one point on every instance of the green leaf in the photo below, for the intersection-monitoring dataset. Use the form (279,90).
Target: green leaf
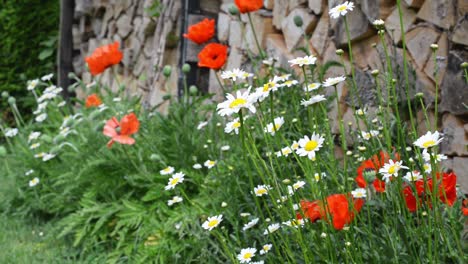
(45,54)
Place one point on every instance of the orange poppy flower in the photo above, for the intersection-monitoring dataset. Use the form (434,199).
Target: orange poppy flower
(93,100)
(104,57)
(246,6)
(128,125)
(337,207)
(213,56)
(373,165)
(465,207)
(202,31)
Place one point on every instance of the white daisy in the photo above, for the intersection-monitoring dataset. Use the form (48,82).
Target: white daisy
(308,146)
(289,83)
(272,128)
(235,74)
(250,224)
(427,156)
(311,87)
(235,104)
(35,146)
(342,9)
(34,182)
(202,125)
(294,145)
(281,78)
(301,61)
(174,180)
(174,200)
(272,228)
(246,255)
(197,166)
(210,163)
(265,249)
(296,223)
(318,176)
(427,167)
(33,136)
(391,169)
(261,190)
(40,118)
(212,222)
(47,77)
(378,23)
(32,84)
(360,112)
(48,156)
(359,193)
(314,99)
(232,126)
(284,152)
(166,171)
(333,81)
(428,140)
(412,176)
(298,185)
(11,132)
(261,93)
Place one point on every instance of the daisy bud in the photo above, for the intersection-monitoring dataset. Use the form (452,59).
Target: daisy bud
(349,153)
(11,100)
(394,81)
(224,204)
(381,32)
(408,148)
(5,94)
(464,65)
(362,148)
(193,89)
(419,95)
(434,47)
(167,71)
(298,21)
(411,160)
(3,151)
(233,10)
(286,181)
(350,123)
(375,73)
(339,52)
(186,68)
(323,235)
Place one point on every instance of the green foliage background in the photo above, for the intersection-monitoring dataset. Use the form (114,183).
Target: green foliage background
(28,30)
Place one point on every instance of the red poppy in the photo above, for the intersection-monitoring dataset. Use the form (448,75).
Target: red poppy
(337,207)
(373,165)
(213,56)
(93,100)
(128,125)
(446,192)
(465,207)
(104,57)
(246,6)
(202,31)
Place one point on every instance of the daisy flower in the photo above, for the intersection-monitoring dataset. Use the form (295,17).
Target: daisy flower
(167,170)
(427,157)
(284,152)
(391,169)
(301,61)
(48,156)
(295,145)
(341,10)
(281,78)
(272,228)
(314,99)
(40,118)
(272,128)
(174,200)
(34,182)
(359,193)
(32,84)
(332,81)
(246,255)
(312,87)
(318,176)
(11,132)
(296,223)
(289,83)
(212,222)
(232,126)
(412,176)
(236,74)
(427,168)
(261,190)
(47,77)
(202,125)
(250,224)
(33,136)
(308,146)
(174,180)
(298,185)
(210,163)
(378,23)
(35,146)
(235,104)
(428,140)
(261,93)
(265,249)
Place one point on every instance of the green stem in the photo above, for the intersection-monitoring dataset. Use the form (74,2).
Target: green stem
(260,50)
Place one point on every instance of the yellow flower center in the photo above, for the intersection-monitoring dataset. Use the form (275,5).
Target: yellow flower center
(311,145)
(236,125)
(238,102)
(288,82)
(247,255)
(342,8)
(213,223)
(295,146)
(174,181)
(317,177)
(261,191)
(266,248)
(167,170)
(429,143)
(277,126)
(392,169)
(286,151)
(211,162)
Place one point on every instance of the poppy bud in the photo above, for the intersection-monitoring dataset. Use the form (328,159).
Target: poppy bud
(193,89)
(233,10)
(298,21)
(167,71)
(464,65)
(3,151)
(369,175)
(5,94)
(186,68)
(11,100)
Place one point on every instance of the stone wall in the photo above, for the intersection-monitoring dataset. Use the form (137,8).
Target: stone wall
(149,42)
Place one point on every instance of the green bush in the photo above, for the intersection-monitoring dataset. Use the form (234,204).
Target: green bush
(28,37)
